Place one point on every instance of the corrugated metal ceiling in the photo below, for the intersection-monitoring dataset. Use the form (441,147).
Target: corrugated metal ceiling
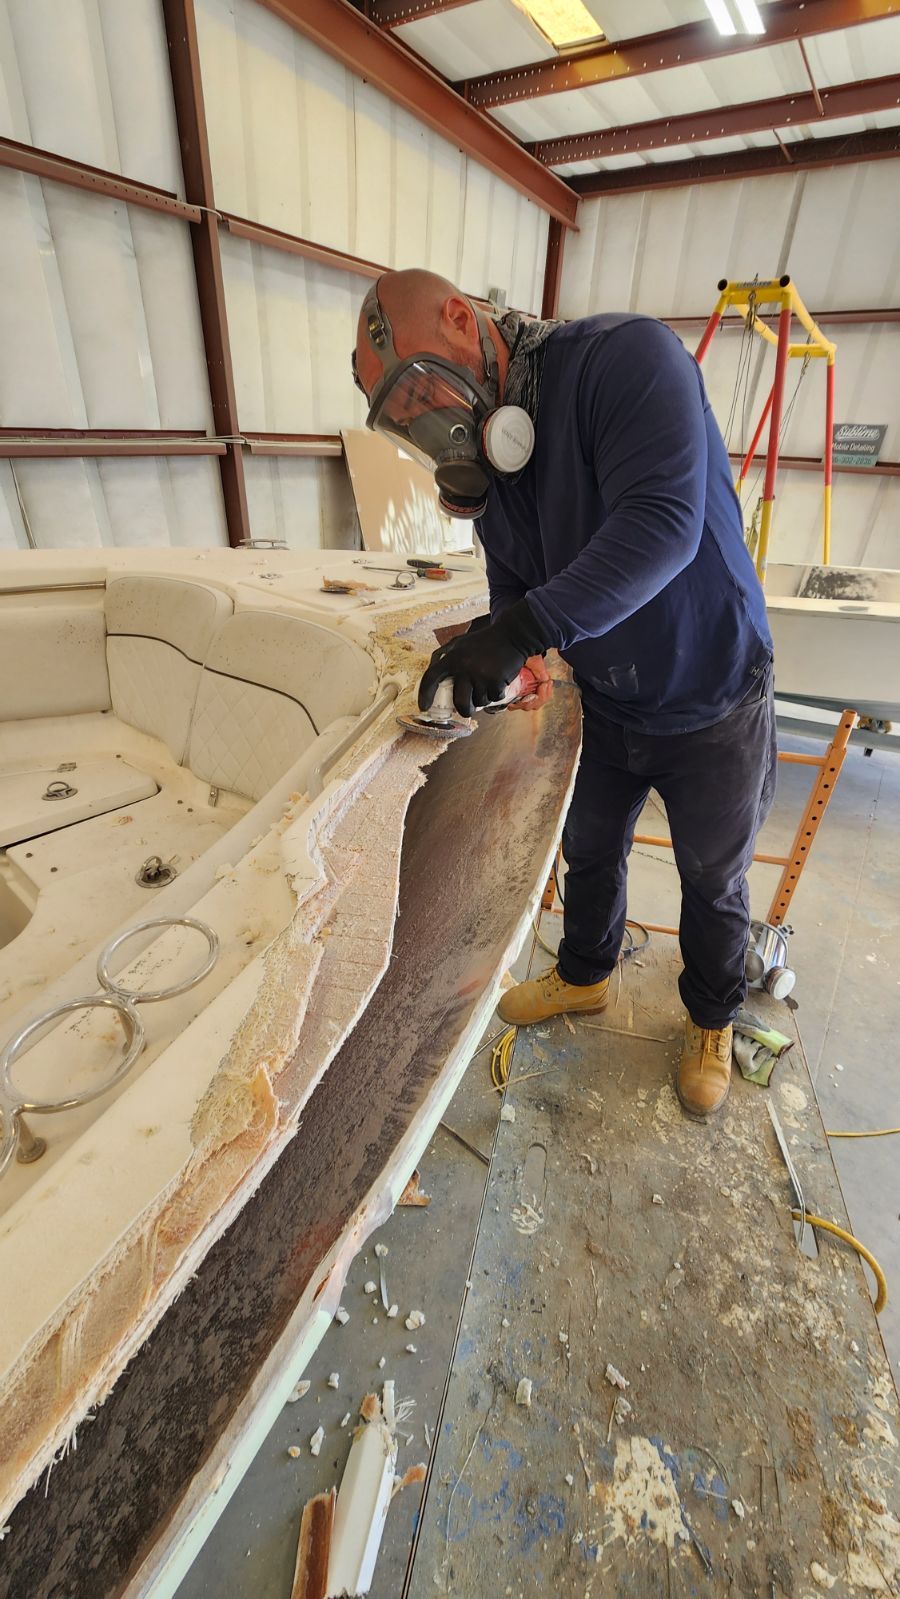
(492,35)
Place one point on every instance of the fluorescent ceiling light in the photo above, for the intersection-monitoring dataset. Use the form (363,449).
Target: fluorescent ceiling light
(748,11)
(565,23)
(719,13)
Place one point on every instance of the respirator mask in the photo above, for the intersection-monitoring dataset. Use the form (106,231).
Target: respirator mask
(439,413)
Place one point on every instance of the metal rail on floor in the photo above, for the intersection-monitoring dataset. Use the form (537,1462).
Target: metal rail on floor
(829,767)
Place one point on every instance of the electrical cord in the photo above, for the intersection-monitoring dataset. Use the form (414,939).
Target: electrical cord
(881,1298)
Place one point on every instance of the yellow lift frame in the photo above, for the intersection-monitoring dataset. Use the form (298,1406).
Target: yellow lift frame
(747,299)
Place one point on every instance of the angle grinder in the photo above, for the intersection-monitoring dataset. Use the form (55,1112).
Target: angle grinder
(442,720)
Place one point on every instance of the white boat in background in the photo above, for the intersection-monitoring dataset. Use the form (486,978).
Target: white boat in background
(837,637)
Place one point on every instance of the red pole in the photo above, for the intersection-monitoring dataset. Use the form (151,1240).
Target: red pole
(748,458)
(708,332)
(781,361)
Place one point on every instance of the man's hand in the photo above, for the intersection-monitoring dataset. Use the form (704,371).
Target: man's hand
(535,702)
(482,663)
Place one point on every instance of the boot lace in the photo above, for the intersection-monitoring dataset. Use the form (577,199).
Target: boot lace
(714,1041)
(717,1041)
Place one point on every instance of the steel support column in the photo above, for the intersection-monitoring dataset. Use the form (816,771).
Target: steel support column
(184,59)
(556,239)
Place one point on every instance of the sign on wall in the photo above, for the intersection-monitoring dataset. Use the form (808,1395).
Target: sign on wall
(857,443)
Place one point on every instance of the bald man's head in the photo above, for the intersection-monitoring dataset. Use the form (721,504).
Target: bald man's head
(428,314)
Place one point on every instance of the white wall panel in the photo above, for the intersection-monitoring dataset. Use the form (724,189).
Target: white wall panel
(838,233)
(98,316)
(292,325)
(90,79)
(308,503)
(131,502)
(865,520)
(299,143)
(846,248)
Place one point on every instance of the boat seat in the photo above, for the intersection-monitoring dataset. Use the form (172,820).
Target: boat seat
(158,633)
(271,683)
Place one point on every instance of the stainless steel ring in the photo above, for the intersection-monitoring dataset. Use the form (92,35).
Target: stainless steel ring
(14,1102)
(146,995)
(8,1136)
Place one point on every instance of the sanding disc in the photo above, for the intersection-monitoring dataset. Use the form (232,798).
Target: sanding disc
(445,730)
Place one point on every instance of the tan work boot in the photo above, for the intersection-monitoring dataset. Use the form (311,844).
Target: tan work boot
(550,995)
(704,1075)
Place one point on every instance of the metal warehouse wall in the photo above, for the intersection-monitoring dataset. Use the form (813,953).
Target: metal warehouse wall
(837,232)
(99,324)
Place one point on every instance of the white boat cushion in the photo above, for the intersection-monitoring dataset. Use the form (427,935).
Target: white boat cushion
(270,684)
(52,655)
(159,630)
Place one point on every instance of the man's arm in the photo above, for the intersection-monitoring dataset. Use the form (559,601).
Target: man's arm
(504,586)
(642,410)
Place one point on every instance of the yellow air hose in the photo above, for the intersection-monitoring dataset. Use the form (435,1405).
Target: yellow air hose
(879,1132)
(881,1298)
(501,1058)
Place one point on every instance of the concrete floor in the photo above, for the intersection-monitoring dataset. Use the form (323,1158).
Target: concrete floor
(845,950)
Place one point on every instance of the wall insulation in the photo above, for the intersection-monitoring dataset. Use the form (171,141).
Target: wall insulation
(837,232)
(98,309)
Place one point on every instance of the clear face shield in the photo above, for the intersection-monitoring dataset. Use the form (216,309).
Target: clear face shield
(442,416)
(435,412)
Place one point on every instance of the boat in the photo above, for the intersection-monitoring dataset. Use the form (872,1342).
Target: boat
(836,631)
(204,792)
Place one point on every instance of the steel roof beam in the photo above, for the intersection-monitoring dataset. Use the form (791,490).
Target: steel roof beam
(393,13)
(372,54)
(859,99)
(878,144)
(673,47)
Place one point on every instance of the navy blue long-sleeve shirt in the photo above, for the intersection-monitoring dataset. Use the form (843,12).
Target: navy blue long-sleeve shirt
(624,531)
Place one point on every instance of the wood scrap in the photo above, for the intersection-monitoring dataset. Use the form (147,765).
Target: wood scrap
(362,1505)
(412,1193)
(345,585)
(316,1527)
(411,1475)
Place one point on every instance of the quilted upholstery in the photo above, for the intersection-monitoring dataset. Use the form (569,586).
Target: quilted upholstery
(153,688)
(329,675)
(185,614)
(270,683)
(244,737)
(159,630)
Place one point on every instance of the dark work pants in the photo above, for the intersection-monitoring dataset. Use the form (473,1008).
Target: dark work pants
(717,786)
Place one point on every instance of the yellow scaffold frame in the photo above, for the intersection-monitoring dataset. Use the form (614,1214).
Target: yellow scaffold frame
(747,299)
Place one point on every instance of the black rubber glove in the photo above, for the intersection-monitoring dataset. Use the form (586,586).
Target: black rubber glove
(484,662)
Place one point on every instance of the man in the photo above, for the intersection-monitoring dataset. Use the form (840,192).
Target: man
(601,488)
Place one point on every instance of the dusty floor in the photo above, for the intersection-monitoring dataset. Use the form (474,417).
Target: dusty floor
(846,949)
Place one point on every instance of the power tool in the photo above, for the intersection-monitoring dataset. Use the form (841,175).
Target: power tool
(442,720)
